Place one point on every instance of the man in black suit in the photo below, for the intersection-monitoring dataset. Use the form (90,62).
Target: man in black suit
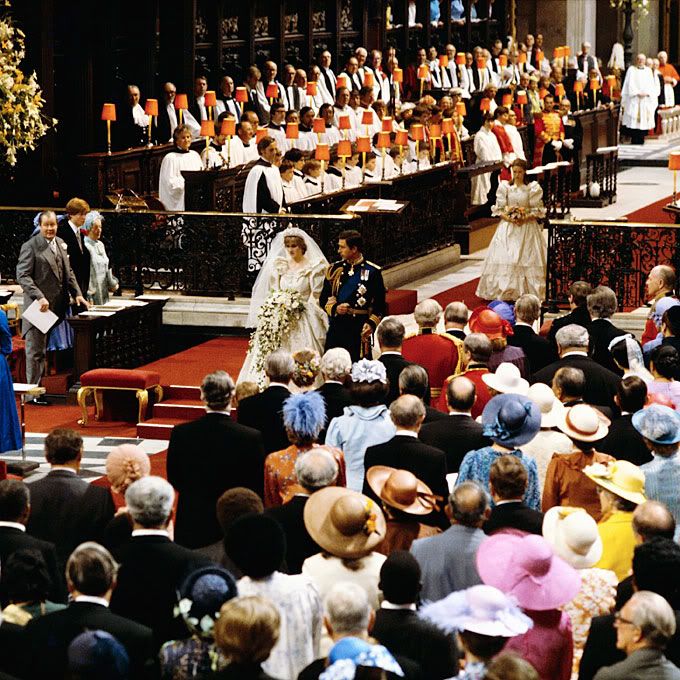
(601,383)
(197,106)
(406,452)
(152,566)
(315,470)
(65,509)
(508,482)
(656,564)
(391,338)
(264,411)
(459,432)
(455,318)
(602,305)
(623,441)
(15,509)
(208,456)
(578,296)
(539,352)
(69,232)
(398,626)
(414,380)
(336,365)
(167,114)
(91,579)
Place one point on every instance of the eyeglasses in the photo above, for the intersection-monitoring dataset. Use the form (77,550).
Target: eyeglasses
(620,621)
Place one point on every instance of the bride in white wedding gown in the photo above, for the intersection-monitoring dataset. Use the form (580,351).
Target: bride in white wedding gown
(284,307)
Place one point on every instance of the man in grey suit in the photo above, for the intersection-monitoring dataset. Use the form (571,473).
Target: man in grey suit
(44,273)
(448,560)
(644,627)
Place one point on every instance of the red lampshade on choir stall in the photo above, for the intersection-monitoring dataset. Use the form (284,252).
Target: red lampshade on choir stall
(207,131)
(108,114)
(319,127)
(272,92)
(443,60)
(674,165)
(344,124)
(485,104)
(210,102)
(292,132)
(401,140)
(241,96)
(260,134)
(507,99)
(151,110)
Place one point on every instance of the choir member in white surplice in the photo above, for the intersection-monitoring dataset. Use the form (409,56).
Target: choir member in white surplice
(171,181)
(291,192)
(638,100)
(245,146)
(487,150)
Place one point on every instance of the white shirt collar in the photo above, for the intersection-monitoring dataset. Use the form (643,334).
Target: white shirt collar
(94,600)
(388,605)
(389,351)
(73,226)
(460,413)
(408,433)
(13,525)
(516,500)
(523,323)
(333,382)
(574,353)
(226,412)
(278,384)
(150,532)
(63,467)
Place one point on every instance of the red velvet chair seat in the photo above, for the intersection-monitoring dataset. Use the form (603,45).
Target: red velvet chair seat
(120,378)
(401,301)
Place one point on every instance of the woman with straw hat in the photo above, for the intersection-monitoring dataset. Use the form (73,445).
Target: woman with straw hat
(573,535)
(621,487)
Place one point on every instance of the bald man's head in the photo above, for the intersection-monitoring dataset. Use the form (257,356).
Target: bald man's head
(469,505)
(652,519)
(460,394)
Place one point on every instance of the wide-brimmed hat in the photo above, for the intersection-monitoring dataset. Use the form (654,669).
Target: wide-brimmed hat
(584,423)
(526,568)
(573,535)
(659,424)
(507,379)
(511,420)
(401,489)
(621,478)
(552,409)
(480,609)
(485,320)
(343,522)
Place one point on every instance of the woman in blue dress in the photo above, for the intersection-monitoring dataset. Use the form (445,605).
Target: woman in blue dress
(10,430)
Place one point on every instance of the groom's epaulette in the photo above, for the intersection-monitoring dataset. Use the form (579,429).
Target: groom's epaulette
(372,264)
(333,269)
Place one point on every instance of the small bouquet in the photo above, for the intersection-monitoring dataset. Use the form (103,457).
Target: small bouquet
(515,214)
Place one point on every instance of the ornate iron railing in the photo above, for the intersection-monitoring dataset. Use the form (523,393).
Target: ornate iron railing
(615,254)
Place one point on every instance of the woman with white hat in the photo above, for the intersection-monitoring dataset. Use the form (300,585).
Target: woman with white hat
(572,534)
(621,487)
(548,440)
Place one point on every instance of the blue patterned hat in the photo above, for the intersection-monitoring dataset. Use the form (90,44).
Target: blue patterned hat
(660,424)
(511,420)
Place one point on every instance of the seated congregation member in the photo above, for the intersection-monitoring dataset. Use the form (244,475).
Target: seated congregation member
(231,505)
(664,365)
(476,353)
(569,386)
(565,483)
(578,306)
(507,484)
(257,545)
(336,365)
(303,417)
(548,440)
(91,580)
(390,334)
(405,501)
(414,380)
(171,180)
(349,527)
(572,534)
(208,456)
(263,411)
(602,305)
(439,354)
(621,487)
(572,346)
(246,632)
(623,441)
(65,509)
(406,452)
(15,509)
(448,561)
(457,433)
(206,589)
(538,351)
(314,469)
(365,422)
(655,566)
(152,566)
(399,627)
(509,420)
(484,619)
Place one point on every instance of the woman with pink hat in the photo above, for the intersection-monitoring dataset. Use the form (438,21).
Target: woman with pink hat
(525,568)
(573,535)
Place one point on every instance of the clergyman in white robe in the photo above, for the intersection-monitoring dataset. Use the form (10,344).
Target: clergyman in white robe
(639,101)
(486,150)
(171,181)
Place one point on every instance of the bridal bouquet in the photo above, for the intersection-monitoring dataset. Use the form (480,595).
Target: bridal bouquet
(278,315)
(514,213)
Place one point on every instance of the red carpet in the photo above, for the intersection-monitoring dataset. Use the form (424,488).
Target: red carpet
(653,213)
(465,292)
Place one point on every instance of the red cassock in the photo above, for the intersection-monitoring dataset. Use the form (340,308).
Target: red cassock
(438,354)
(548,127)
(483,396)
(506,147)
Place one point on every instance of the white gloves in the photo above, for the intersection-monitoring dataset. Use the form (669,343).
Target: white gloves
(556,145)
(568,143)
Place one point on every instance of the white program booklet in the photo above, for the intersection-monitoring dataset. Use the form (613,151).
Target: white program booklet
(43,321)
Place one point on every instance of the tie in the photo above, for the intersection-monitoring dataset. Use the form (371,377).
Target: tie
(78,239)
(53,246)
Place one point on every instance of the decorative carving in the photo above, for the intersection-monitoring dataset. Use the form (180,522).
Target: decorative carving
(319,21)
(293,53)
(201,29)
(346,16)
(230,28)
(261,27)
(290,23)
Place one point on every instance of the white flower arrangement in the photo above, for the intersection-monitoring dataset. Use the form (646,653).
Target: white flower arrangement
(277,317)
(204,626)
(22,123)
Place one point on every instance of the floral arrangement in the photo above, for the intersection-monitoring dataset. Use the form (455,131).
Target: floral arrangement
(205,625)
(278,315)
(21,122)
(515,213)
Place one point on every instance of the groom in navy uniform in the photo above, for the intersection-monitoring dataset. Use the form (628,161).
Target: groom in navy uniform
(353,296)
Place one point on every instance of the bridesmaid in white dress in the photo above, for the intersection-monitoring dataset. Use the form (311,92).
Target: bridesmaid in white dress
(516,260)
(295,266)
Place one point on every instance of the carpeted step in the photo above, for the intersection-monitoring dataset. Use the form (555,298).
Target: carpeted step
(158,428)
(179,409)
(181,392)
